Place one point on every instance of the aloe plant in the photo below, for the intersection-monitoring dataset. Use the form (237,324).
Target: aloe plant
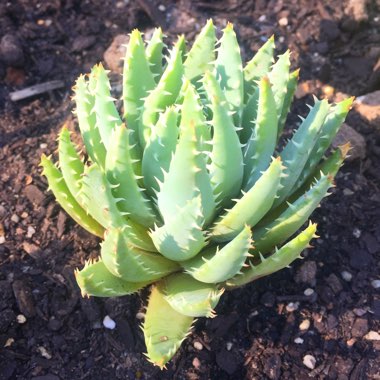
(187,187)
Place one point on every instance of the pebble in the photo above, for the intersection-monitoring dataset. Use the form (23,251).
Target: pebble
(309,361)
(292,306)
(359,312)
(109,323)
(162,8)
(21,319)
(372,335)
(262,18)
(140,315)
(304,325)
(298,340)
(283,21)
(43,146)
(347,276)
(2,240)
(356,233)
(11,52)
(308,292)
(43,352)
(113,55)
(375,284)
(198,346)
(368,106)
(3,211)
(348,192)
(229,346)
(31,232)
(196,363)
(15,218)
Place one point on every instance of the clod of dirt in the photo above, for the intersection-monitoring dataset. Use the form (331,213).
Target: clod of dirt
(306,273)
(83,43)
(368,106)
(24,298)
(348,134)
(360,327)
(112,56)
(11,52)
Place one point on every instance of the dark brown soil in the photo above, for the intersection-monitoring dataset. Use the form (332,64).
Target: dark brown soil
(48,332)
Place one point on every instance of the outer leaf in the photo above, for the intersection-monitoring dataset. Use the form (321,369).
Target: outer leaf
(124,260)
(187,177)
(258,67)
(107,117)
(226,168)
(137,82)
(298,149)
(275,233)
(261,145)
(279,260)
(71,165)
(189,296)
(85,102)
(329,130)
(120,173)
(97,198)
(215,265)
(64,197)
(154,53)
(160,149)
(229,70)
(164,94)
(181,237)
(164,329)
(95,280)
(252,206)
(202,54)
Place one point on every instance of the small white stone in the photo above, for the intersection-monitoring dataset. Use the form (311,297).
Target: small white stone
(281,39)
(196,363)
(162,8)
(43,146)
(359,312)
(262,18)
(283,21)
(304,325)
(109,323)
(372,335)
(2,239)
(198,346)
(21,319)
(309,361)
(140,315)
(31,232)
(356,233)
(298,340)
(348,192)
(292,306)
(308,292)
(347,276)
(375,284)
(43,352)
(229,346)
(15,218)
(48,22)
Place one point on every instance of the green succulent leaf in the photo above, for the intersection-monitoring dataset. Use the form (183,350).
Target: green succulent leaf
(95,280)
(274,233)
(226,167)
(85,102)
(258,67)
(215,264)
(251,207)
(132,264)
(280,259)
(71,165)
(189,296)
(65,198)
(181,237)
(263,139)
(154,53)
(124,182)
(201,56)
(164,328)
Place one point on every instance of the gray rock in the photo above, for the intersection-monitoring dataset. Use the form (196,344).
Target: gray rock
(358,146)
(11,52)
